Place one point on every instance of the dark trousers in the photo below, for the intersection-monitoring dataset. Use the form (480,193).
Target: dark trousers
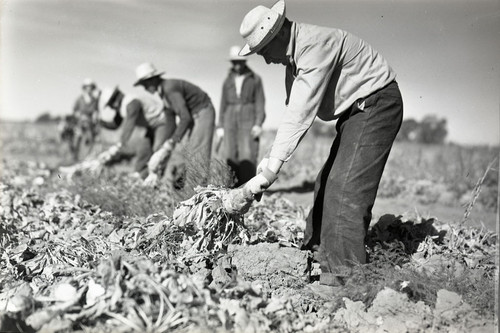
(347,185)
(199,137)
(240,147)
(195,151)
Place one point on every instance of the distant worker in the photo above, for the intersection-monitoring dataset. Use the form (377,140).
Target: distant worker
(242,112)
(194,110)
(85,110)
(67,130)
(144,110)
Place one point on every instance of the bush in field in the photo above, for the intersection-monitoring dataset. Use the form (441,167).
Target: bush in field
(431,130)
(124,195)
(408,130)
(46,117)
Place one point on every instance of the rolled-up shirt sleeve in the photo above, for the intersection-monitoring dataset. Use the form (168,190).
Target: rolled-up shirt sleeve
(315,66)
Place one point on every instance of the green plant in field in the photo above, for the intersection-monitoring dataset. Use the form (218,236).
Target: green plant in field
(104,254)
(124,195)
(476,191)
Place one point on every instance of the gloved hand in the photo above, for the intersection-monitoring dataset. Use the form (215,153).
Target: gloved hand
(95,167)
(161,156)
(256,131)
(261,182)
(107,155)
(257,184)
(219,133)
(113,150)
(262,165)
(151,180)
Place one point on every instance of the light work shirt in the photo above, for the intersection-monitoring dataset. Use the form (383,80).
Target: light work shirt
(142,110)
(329,70)
(238,83)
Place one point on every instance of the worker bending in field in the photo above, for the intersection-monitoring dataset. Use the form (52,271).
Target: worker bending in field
(331,74)
(143,110)
(194,109)
(242,112)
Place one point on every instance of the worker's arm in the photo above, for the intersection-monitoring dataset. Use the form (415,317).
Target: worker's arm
(76,106)
(306,87)
(171,125)
(314,69)
(179,105)
(134,109)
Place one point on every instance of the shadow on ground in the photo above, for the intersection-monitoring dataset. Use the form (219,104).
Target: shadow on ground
(305,187)
(390,228)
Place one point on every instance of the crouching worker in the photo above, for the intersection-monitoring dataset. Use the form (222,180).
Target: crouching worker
(331,74)
(196,115)
(146,111)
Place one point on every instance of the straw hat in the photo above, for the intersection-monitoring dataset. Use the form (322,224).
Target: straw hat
(260,26)
(234,54)
(106,96)
(146,71)
(88,82)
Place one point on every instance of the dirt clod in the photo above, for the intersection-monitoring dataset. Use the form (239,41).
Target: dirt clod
(280,266)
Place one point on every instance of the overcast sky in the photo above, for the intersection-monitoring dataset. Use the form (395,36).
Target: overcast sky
(446,52)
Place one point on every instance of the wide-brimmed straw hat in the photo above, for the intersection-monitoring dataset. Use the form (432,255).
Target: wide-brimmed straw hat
(107,94)
(146,71)
(234,54)
(260,26)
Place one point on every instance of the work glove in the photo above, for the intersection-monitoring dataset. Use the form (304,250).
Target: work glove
(107,155)
(256,131)
(95,167)
(113,150)
(161,156)
(261,181)
(151,180)
(219,133)
(219,136)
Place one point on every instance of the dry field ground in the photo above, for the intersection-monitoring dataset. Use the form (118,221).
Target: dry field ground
(104,254)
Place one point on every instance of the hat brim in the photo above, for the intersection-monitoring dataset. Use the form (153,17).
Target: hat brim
(240,58)
(278,7)
(138,82)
